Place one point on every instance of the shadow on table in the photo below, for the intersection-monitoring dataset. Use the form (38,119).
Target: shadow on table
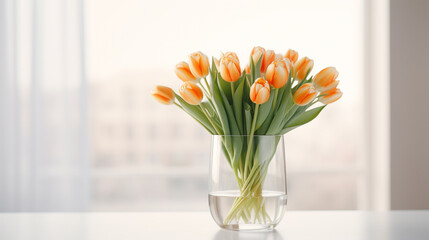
(235,235)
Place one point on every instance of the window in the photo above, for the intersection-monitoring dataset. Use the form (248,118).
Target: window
(326,166)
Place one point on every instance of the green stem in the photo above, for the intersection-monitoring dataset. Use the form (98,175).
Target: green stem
(194,118)
(314,102)
(276,92)
(232,89)
(207,94)
(178,105)
(208,86)
(250,205)
(250,178)
(204,90)
(248,80)
(237,177)
(210,119)
(249,145)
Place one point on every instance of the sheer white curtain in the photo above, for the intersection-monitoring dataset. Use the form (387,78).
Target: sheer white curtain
(43,108)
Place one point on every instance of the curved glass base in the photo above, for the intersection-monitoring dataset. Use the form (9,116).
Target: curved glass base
(232,211)
(248,227)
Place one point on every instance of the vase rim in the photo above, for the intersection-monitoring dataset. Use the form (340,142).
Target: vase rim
(246,135)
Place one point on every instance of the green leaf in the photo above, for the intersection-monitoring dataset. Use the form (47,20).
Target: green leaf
(290,114)
(225,152)
(302,119)
(297,111)
(213,70)
(264,110)
(225,87)
(212,112)
(209,108)
(238,105)
(230,113)
(236,146)
(258,68)
(302,83)
(276,126)
(255,69)
(266,148)
(246,90)
(196,113)
(248,117)
(218,104)
(252,71)
(279,97)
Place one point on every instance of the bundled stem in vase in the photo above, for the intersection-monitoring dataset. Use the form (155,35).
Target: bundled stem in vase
(249,206)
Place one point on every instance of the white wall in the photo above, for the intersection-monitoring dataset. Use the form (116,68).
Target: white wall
(409,71)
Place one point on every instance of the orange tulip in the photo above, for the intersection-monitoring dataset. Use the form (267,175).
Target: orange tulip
(230,54)
(164,95)
(278,57)
(248,69)
(326,79)
(230,69)
(191,93)
(301,67)
(183,72)
(331,96)
(260,91)
(292,55)
(278,73)
(199,64)
(305,94)
(257,53)
(267,59)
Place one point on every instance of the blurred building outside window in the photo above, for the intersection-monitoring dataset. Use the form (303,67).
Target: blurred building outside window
(150,157)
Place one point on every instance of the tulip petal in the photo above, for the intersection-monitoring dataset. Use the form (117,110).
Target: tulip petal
(332,96)
(234,72)
(164,95)
(305,94)
(191,93)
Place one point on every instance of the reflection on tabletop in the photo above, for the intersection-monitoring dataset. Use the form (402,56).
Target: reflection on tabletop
(251,235)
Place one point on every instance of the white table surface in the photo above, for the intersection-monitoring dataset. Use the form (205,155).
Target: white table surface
(314,225)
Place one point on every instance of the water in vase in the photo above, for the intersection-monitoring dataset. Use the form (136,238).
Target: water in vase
(235,212)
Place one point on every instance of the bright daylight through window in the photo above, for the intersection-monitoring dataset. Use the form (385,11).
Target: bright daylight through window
(147,157)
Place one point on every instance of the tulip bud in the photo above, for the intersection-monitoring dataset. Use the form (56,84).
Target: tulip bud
(164,95)
(191,93)
(305,94)
(278,73)
(267,59)
(331,96)
(326,79)
(199,64)
(260,91)
(257,53)
(301,67)
(183,72)
(292,55)
(230,69)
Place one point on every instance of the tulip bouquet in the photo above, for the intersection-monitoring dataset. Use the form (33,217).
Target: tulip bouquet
(272,96)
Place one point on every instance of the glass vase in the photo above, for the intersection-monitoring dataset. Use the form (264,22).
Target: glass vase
(247,185)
